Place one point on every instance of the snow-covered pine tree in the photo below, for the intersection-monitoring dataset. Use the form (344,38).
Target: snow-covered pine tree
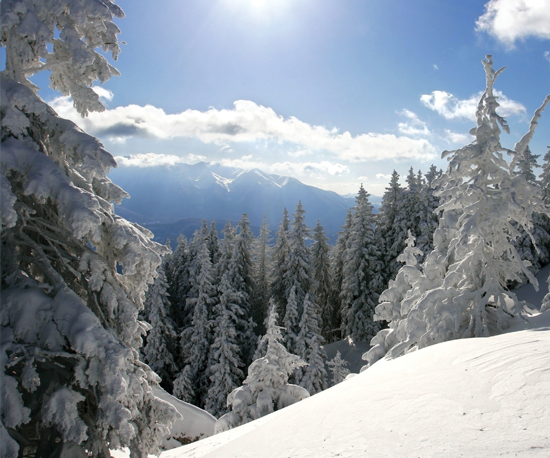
(320,252)
(392,307)
(266,388)
(196,339)
(362,274)
(179,284)
(240,276)
(312,377)
(224,360)
(462,291)
(533,247)
(262,277)
(214,247)
(337,277)
(389,230)
(298,276)
(227,245)
(337,367)
(72,382)
(161,349)
(280,255)
(429,217)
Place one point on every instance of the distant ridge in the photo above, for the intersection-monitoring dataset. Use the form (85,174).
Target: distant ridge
(166,194)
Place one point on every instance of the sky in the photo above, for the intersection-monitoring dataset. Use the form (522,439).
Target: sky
(332,92)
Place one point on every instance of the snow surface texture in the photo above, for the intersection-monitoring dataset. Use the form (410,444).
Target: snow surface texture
(473,397)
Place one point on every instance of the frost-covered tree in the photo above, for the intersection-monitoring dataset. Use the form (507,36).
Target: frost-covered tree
(337,277)
(280,255)
(227,244)
(214,247)
(196,339)
(362,277)
(240,277)
(389,230)
(320,252)
(262,278)
(337,367)
(162,340)
(224,361)
(462,291)
(298,277)
(533,247)
(312,377)
(72,381)
(179,284)
(428,216)
(266,388)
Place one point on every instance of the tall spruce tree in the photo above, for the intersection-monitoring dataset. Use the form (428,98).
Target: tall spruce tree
(389,230)
(280,256)
(298,279)
(262,278)
(161,345)
(196,339)
(337,277)
(320,252)
(71,382)
(362,274)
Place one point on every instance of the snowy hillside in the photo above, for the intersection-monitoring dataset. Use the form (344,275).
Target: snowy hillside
(475,397)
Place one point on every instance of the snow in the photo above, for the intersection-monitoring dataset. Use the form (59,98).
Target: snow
(194,423)
(473,397)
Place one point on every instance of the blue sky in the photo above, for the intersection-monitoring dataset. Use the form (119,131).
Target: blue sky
(332,92)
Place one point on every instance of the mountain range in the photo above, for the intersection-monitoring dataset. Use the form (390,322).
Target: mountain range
(185,194)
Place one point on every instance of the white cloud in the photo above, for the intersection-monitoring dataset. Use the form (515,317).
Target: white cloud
(247,122)
(450,107)
(384,176)
(512,20)
(148,160)
(313,169)
(415,126)
(103,93)
(436,67)
(547,55)
(454,137)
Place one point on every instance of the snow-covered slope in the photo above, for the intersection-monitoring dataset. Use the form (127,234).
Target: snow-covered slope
(475,397)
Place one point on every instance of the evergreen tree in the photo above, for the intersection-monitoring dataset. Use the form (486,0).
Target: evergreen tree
(214,247)
(72,383)
(280,256)
(389,230)
(161,347)
(320,252)
(262,277)
(362,280)
(298,276)
(179,283)
(266,388)
(196,339)
(534,246)
(337,277)
(227,246)
(462,291)
(224,359)
(429,217)
(337,367)
(312,377)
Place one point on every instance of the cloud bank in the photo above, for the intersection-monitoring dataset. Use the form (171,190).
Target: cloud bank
(246,122)
(512,20)
(450,107)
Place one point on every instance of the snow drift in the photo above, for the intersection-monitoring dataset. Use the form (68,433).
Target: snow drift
(472,397)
